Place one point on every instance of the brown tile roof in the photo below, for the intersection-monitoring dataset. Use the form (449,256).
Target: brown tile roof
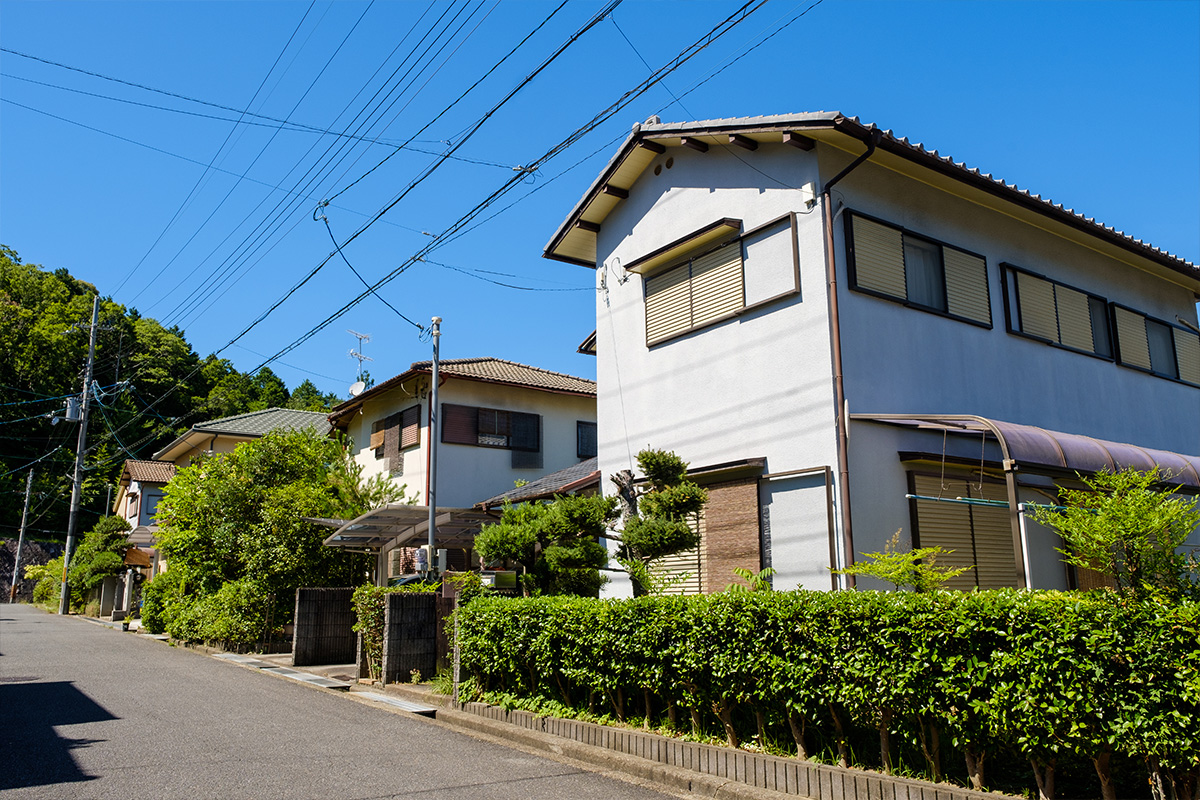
(148,471)
(489,370)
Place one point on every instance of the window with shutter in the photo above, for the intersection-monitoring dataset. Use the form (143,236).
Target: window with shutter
(980,536)
(1156,346)
(460,424)
(410,427)
(526,441)
(702,290)
(890,262)
(1056,313)
(492,427)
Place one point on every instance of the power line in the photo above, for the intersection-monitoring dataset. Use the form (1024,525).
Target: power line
(212,161)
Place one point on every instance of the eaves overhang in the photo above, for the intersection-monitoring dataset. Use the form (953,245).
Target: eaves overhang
(574,241)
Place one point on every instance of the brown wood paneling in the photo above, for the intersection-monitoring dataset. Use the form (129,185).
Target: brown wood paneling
(731,534)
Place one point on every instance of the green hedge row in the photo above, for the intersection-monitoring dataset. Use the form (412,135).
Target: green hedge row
(1040,678)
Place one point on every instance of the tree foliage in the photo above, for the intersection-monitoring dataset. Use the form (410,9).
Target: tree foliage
(100,555)
(905,569)
(657,516)
(556,543)
(238,518)
(1124,526)
(44,318)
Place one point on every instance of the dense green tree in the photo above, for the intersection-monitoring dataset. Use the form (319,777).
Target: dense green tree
(233,532)
(307,397)
(557,544)
(152,387)
(100,555)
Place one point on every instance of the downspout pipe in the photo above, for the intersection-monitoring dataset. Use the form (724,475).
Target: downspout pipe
(839,388)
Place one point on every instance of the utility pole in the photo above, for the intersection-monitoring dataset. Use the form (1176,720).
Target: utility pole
(436,333)
(64,602)
(12,591)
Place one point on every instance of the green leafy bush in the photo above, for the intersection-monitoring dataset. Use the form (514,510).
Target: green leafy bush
(941,683)
(49,581)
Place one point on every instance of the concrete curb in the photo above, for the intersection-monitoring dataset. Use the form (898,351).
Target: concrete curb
(706,770)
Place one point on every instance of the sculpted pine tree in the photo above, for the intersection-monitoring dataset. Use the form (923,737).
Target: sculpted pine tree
(655,515)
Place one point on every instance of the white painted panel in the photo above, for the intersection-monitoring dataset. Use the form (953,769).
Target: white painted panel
(768,263)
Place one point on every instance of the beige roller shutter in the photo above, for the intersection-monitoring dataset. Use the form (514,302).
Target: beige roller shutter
(1036,298)
(995,561)
(717,284)
(1187,355)
(1131,338)
(879,258)
(668,304)
(1074,318)
(946,525)
(685,565)
(966,285)
(376,439)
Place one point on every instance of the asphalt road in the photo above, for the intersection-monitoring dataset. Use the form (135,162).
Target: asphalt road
(91,712)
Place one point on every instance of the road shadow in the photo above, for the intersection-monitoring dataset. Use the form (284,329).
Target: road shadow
(35,754)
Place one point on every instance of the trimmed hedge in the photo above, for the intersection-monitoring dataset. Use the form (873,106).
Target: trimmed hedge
(1002,677)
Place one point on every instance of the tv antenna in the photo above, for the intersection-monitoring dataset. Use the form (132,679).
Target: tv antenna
(358,354)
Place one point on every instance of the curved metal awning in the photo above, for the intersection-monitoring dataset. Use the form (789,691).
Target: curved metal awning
(398,525)
(1030,446)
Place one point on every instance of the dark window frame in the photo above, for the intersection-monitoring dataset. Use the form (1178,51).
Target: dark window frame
(852,274)
(504,419)
(1117,345)
(1012,315)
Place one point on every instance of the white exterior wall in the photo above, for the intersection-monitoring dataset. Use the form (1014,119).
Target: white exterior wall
(758,385)
(761,384)
(468,474)
(901,360)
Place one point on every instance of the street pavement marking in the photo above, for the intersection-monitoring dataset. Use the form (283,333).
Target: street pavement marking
(398,703)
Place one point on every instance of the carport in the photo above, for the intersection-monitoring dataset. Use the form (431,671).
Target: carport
(398,525)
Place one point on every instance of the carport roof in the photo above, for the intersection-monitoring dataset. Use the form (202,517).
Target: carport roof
(398,525)
(1054,450)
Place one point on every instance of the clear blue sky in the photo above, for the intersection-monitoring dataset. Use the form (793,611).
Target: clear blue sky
(1095,105)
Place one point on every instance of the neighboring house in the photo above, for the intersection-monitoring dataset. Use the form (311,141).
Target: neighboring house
(139,491)
(499,423)
(846,335)
(224,434)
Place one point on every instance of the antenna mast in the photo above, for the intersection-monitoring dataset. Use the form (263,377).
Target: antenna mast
(358,354)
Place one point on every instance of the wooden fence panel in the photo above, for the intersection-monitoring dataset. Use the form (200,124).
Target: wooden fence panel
(324,627)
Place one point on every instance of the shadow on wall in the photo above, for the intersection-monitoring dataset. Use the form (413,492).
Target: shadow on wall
(34,754)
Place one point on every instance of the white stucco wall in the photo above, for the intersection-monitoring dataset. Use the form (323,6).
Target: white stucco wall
(758,385)
(468,474)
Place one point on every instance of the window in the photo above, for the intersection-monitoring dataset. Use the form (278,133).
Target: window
(585,439)
(890,262)
(1056,313)
(394,434)
(1155,346)
(701,290)
(490,427)
(979,535)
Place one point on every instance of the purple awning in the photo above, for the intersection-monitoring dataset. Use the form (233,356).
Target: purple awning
(1037,447)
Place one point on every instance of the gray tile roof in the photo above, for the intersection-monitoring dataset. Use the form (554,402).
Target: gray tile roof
(260,423)
(571,479)
(889,142)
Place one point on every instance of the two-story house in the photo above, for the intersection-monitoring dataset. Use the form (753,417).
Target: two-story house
(224,434)
(847,334)
(499,423)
